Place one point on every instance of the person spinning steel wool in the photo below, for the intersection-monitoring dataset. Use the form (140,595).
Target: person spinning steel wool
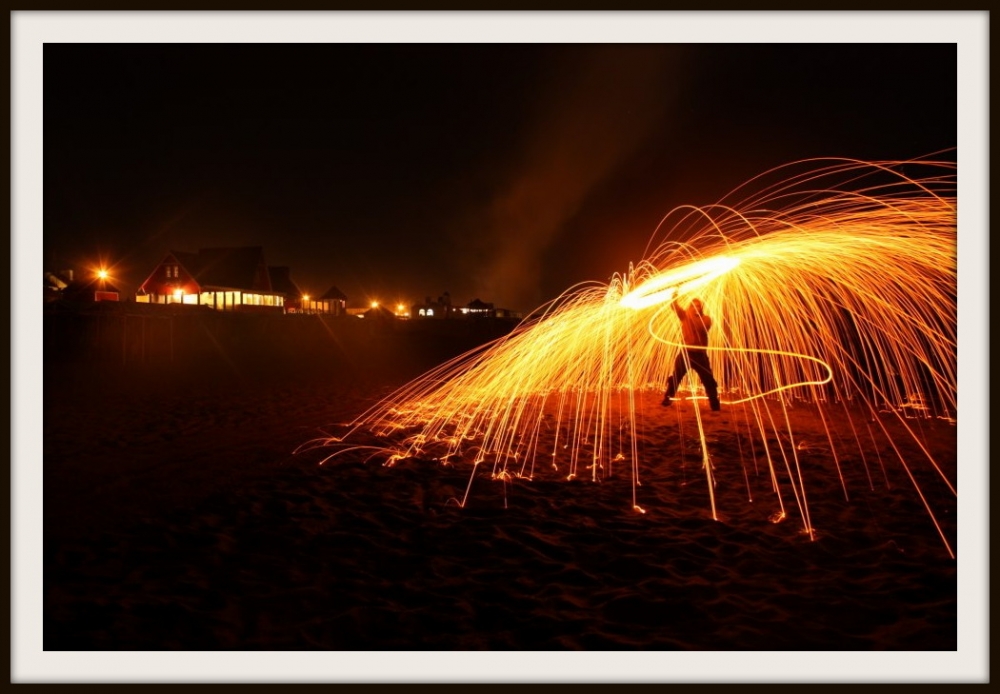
(694,328)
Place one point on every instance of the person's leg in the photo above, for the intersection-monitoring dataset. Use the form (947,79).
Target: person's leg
(701,366)
(680,368)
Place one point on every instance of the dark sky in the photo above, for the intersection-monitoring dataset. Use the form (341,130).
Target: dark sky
(506,172)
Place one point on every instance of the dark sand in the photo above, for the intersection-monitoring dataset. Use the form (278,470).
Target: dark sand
(176,518)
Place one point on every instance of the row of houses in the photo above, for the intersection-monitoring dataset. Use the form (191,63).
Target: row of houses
(443,308)
(233,279)
(239,279)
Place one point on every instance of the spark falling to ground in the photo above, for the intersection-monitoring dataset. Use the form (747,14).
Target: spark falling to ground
(834,286)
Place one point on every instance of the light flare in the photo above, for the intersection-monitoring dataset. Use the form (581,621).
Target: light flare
(677,282)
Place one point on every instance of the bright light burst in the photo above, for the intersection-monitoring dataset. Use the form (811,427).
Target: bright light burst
(834,286)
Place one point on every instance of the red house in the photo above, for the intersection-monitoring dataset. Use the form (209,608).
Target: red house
(226,279)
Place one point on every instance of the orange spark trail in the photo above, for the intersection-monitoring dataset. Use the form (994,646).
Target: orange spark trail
(834,286)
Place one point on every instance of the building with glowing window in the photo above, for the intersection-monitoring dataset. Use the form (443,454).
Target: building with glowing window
(225,279)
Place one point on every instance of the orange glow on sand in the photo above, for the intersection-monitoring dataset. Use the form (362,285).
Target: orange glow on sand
(833,286)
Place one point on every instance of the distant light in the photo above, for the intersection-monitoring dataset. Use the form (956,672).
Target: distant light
(178,294)
(374,304)
(102,274)
(305,297)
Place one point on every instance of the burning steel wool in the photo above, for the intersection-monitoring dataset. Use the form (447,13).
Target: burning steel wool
(834,286)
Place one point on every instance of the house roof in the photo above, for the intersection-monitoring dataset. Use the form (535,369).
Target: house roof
(334,293)
(188,260)
(232,267)
(240,268)
(282,283)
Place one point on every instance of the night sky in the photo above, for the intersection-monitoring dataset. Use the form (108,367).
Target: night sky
(505,172)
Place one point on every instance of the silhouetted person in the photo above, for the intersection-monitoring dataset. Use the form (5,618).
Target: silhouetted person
(694,327)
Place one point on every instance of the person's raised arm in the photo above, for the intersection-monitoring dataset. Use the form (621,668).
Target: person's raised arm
(681,313)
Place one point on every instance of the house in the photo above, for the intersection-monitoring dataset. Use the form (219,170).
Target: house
(225,279)
(441,308)
(65,287)
(332,303)
(479,308)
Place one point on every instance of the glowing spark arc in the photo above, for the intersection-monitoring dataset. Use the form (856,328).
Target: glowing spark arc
(833,287)
(680,281)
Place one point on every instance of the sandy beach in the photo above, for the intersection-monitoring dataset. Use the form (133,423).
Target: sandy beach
(177,518)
